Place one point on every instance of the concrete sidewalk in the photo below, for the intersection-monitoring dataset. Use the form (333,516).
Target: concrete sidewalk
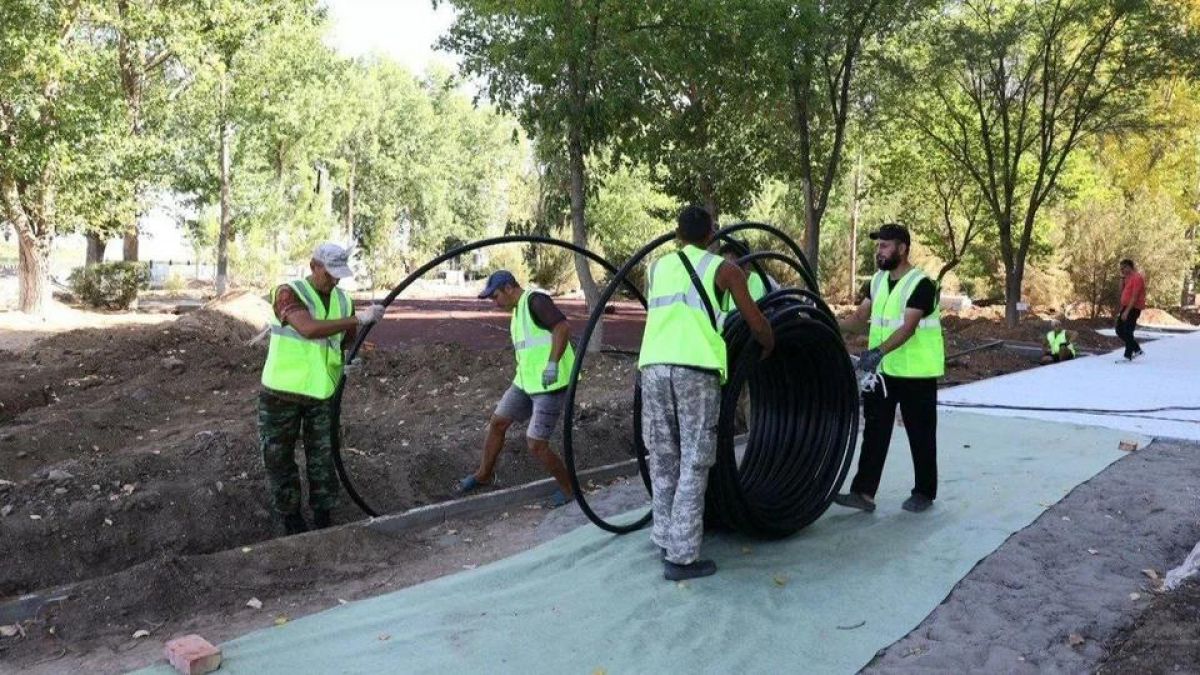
(1166,376)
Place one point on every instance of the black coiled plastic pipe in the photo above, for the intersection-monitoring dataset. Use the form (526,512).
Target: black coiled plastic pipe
(804,409)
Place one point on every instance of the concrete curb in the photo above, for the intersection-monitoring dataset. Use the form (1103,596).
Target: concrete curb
(488,502)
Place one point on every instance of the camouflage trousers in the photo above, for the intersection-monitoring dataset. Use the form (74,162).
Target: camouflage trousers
(280,423)
(680,407)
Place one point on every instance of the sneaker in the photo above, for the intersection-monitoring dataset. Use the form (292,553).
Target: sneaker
(917,503)
(294,524)
(700,568)
(559,498)
(322,519)
(854,500)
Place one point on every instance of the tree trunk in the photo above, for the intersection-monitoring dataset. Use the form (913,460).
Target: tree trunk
(129,59)
(223,237)
(1013,279)
(812,230)
(129,244)
(709,196)
(33,270)
(95,248)
(855,215)
(350,201)
(579,235)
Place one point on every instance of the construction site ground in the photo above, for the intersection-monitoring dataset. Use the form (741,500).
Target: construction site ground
(131,483)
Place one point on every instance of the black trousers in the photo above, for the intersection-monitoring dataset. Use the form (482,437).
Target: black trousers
(1125,331)
(917,398)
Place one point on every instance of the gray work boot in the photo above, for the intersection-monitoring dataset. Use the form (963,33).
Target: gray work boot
(855,501)
(700,568)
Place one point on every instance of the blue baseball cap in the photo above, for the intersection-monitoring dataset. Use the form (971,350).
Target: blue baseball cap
(499,279)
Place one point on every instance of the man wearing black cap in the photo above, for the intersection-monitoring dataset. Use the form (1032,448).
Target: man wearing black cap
(907,353)
(541,340)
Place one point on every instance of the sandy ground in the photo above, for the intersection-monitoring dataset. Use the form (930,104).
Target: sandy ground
(19,331)
(1074,572)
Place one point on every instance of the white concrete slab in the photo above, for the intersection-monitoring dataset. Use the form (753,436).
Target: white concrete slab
(1167,376)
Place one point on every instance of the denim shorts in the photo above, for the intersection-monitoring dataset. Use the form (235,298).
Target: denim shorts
(542,411)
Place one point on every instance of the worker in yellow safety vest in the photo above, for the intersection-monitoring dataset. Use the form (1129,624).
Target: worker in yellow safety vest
(541,339)
(312,323)
(906,349)
(683,365)
(757,283)
(1058,345)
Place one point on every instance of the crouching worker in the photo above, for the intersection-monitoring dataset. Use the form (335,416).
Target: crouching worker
(1058,345)
(541,339)
(313,322)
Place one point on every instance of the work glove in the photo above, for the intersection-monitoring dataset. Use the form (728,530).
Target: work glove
(550,374)
(869,361)
(369,315)
(353,368)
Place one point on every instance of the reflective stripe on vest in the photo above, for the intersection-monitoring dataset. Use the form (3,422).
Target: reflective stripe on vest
(923,354)
(299,365)
(533,346)
(678,329)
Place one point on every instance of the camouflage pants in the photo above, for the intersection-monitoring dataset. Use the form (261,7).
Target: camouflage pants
(280,423)
(680,407)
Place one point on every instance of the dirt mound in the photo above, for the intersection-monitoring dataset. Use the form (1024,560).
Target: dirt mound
(124,444)
(1152,316)
(1030,330)
(240,315)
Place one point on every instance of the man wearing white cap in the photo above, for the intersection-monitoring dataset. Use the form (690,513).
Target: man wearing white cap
(313,322)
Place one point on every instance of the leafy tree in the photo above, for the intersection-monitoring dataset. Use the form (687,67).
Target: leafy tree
(53,99)
(1009,90)
(806,58)
(565,69)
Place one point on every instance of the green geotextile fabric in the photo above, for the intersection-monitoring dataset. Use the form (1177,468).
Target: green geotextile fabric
(824,601)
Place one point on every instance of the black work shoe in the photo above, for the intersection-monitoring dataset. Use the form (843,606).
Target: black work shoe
(322,520)
(700,568)
(294,524)
(855,501)
(917,503)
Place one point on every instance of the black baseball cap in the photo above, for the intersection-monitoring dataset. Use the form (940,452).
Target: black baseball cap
(892,232)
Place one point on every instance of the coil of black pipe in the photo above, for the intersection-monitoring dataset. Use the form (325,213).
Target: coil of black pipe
(804,409)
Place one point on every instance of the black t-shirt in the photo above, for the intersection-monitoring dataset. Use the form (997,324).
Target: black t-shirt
(922,298)
(545,313)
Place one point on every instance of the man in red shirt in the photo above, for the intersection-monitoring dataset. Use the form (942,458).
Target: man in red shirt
(1133,301)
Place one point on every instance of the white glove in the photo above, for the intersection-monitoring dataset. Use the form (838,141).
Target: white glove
(550,374)
(369,315)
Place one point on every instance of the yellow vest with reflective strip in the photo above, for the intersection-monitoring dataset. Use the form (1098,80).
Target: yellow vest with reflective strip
(756,287)
(298,365)
(678,331)
(533,345)
(924,354)
(1057,340)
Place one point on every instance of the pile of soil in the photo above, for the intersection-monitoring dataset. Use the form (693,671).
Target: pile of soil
(120,446)
(1163,639)
(1029,330)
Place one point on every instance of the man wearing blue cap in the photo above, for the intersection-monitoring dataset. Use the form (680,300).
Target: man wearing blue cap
(541,340)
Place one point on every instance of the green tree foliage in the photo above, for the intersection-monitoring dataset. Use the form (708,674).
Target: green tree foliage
(54,102)
(1009,90)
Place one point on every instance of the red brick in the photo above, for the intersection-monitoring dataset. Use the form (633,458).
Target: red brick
(193,655)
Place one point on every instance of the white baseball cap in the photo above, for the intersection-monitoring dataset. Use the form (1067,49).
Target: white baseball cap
(335,259)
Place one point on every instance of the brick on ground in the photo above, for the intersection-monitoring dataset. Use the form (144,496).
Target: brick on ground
(193,655)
